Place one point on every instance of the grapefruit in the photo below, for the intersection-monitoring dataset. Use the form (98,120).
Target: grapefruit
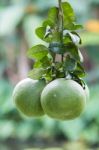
(26,96)
(63,99)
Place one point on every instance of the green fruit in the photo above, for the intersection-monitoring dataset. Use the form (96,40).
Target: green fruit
(26,96)
(63,99)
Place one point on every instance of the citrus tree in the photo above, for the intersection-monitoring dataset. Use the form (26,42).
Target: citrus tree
(56,87)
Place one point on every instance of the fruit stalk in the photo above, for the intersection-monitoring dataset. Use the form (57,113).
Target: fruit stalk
(60,25)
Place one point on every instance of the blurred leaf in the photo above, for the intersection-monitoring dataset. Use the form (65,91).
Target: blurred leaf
(30,23)
(25,128)
(91,134)
(72,129)
(10,18)
(5,97)
(75,146)
(6,129)
(92,110)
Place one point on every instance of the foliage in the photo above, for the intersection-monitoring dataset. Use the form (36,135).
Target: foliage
(59,31)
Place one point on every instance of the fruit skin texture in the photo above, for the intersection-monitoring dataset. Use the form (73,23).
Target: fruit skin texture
(26,96)
(63,99)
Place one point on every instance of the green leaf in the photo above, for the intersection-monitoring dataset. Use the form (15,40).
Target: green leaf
(74,52)
(40,32)
(68,12)
(44,62)
(36,73)
(38,52)
(68,15)
(48,31)
(79,70)
(37,64)
(68,25)
(66,39)
(75,33)
(53,15)
(77,26)
(75,38)
(69,64)
(47,22)
(48,75)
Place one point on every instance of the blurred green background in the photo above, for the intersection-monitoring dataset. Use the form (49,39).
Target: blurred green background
(18,20)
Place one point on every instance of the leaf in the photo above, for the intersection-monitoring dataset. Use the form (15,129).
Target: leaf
(41,32)
(47,22)
(48,75)
(72,26)
(36,73)
(66,39)
(68,12)
(68,25)
(73,36)
(44,62)
(75,33)
(37,64)
(53,15)
(77,26)
(69,64)
(73,51)
(38,52)
(68,15)
(79,70)
(48,32)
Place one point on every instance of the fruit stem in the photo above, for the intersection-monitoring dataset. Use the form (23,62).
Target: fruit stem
(60,25)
